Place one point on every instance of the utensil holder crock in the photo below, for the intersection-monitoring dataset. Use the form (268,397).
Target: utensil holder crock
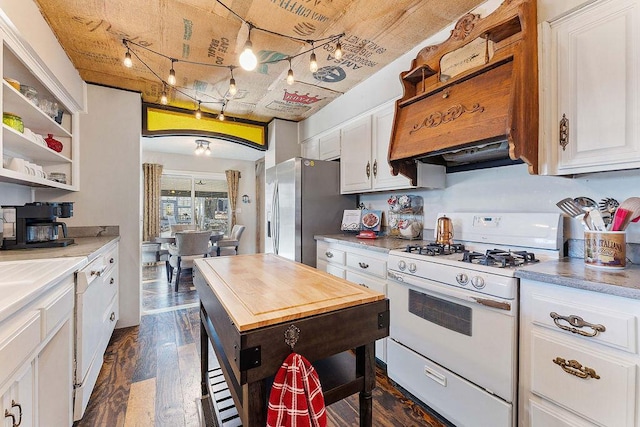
(605,249)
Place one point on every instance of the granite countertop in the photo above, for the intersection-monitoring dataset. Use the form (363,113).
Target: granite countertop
(572,272)
(381,244)
(82,247)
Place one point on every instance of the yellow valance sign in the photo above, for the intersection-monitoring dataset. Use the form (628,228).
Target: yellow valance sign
(170,121)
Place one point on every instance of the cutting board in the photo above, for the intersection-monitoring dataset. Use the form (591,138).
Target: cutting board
(265,289)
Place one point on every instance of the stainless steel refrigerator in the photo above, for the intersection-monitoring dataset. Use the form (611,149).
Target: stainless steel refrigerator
(302,200)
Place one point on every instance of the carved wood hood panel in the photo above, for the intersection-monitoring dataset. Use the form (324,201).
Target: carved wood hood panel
(477,89)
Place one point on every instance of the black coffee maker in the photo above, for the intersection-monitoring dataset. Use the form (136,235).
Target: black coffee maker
(36,225)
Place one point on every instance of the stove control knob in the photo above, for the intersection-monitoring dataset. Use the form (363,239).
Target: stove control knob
(478,282)
(412,267)
(402,265)
(462,279)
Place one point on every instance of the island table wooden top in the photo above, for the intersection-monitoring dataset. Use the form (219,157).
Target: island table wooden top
(265,289)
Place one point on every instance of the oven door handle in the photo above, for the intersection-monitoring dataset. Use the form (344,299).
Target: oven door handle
(502,305)
(428,286)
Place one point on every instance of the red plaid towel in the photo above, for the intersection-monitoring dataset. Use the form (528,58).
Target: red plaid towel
(296,398)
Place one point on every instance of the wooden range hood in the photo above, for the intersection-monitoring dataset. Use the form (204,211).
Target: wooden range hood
(473,97)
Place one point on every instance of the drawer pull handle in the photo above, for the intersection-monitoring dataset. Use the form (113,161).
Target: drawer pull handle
(576,322)
(363,285)
(363,265)
(574,367)
(112,317)
(328,254)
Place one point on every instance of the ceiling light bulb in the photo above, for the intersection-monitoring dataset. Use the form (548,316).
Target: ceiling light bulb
(248,60)
(221,116)
(163,98)
(232,87)
(127,59)
(172,76)
(338,52)
(313,64)
(198,112)
(199,149)
(290,78)
(207,150)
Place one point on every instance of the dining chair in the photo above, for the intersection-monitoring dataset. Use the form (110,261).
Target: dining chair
(182,227)
(228,245)
(190,245)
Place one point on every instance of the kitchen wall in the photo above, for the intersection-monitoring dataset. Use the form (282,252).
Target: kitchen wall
(508,188)
(13,194)
(246,213)
(110,182)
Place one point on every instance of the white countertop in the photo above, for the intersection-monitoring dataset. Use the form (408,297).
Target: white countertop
(23,281)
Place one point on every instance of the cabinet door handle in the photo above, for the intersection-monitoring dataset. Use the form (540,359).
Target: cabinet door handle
(375,168)
(113,316)
(575,368)
(576,322)
(368,169)
(564,132)
(111,260)
(8,414)
(112,281)
(363,265)
(328,254)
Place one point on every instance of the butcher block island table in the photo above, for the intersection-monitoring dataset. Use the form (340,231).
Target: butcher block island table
(256,309)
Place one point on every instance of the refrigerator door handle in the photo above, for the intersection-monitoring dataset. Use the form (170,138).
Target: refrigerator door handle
(276,220)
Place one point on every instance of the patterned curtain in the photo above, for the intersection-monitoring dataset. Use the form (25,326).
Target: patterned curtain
(233,180)
(151,221)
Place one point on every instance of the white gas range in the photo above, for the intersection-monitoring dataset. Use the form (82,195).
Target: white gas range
(454,313)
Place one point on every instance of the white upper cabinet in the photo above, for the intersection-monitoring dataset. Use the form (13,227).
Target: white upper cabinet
(45,107)
(356,164)
(363,162)
(383,179)
(329,146)
(590,67)
(310,149)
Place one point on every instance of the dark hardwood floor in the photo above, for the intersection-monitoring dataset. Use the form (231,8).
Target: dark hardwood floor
(151,372)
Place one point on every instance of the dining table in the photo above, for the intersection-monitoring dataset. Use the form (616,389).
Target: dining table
(216,235)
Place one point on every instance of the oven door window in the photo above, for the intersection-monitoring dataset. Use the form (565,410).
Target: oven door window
(455,317)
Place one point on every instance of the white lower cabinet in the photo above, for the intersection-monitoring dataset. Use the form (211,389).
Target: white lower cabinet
(36,353)
(364,267)
(579,359)
(19,400)
(96,316)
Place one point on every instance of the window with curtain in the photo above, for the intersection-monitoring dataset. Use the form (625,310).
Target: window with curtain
(194,199)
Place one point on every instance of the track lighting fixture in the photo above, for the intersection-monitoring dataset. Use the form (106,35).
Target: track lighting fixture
(127,59)
(248,60)
(172,74)
(232,83)
(202,146)
(198,112)
(290,78)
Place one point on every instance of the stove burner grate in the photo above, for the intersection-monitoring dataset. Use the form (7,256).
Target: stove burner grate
(500,258)
(434,249)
